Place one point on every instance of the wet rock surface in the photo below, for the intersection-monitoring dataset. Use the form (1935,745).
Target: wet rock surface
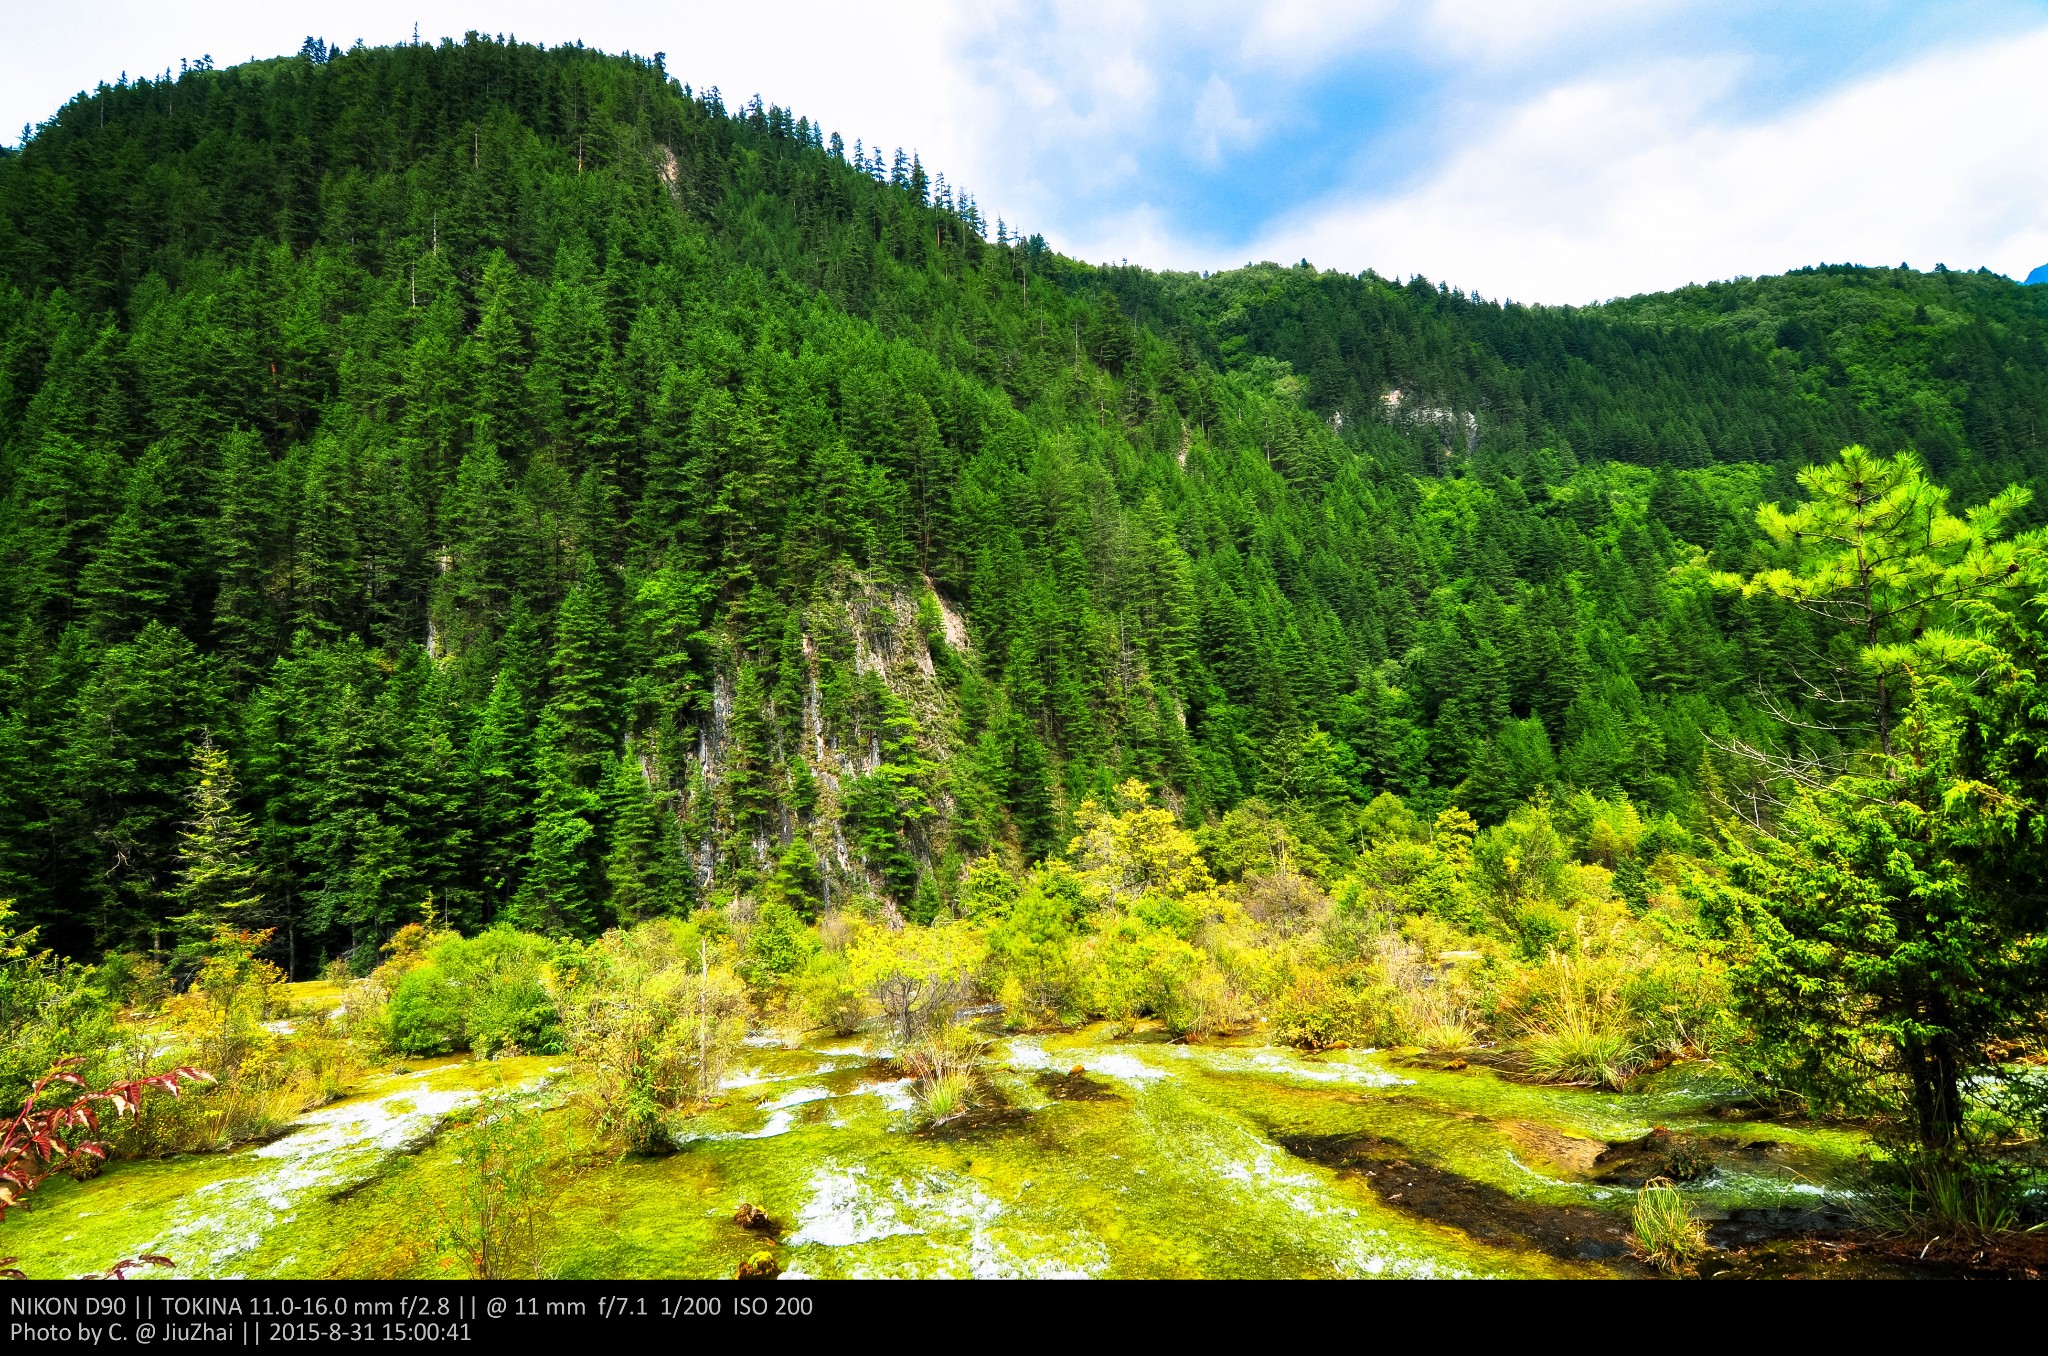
(1547,1146)
(754,1219)
(1682,1157)
(1746,1228)
(1074,1086)
(1485,1213)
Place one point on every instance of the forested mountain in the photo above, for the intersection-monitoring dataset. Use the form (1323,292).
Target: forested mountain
(517,482)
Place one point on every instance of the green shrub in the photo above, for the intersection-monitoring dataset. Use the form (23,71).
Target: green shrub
(653,1025)
(425,1014)
(1539,927)
(989,889)
(827,996)
(1032,961)
(1680,1003)
(778,946)
(1135,969)
(493,1207)
(49,1008)
(134,980)
(514,1014)
(919,976)
(488,993)
(1318,1008)
(1196,999)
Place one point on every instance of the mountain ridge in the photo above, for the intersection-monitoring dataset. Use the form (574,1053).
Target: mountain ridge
(512,457)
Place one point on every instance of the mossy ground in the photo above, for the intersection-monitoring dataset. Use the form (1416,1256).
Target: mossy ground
(1158,1160)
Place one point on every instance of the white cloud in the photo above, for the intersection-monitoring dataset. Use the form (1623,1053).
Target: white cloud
(1218,124)
(1515,30)
(1141,234)
(1612,186)
(1299,34)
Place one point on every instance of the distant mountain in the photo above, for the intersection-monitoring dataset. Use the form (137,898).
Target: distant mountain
(2039,275)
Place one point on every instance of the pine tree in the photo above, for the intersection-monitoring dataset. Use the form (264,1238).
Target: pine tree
(496,357)
(746,783)
(365,882)
(497,764)
(796,882)
(561,889)
(244,614)
(644,869)
(219,881)
(119,789)
(480,518)
(1029,782)
(1884,568)
(584,693)
(135,578)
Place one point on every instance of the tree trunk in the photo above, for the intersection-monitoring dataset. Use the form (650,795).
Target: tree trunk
(1937,1092)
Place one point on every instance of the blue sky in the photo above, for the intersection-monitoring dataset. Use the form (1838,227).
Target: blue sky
(1561,152)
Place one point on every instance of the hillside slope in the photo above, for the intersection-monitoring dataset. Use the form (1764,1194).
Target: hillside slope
(564,499)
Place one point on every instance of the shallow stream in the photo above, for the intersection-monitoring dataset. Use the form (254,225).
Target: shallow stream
(1088,1157)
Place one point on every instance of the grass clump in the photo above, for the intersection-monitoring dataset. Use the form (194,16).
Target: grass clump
(1580,1049)
(1945,1195)
(944,1097)
(1575,1021)
(1667,1234)
(944,1066)
(1448,1037)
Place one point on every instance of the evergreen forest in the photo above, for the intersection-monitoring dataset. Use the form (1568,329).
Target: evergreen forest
(479,510)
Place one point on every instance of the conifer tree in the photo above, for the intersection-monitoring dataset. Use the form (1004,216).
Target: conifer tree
(644,870)
(1883,565)
(561,887)
(219,882)
(497,765)
(584,691)
(480,519)
(495,356)
(135,578)
(796,882)
(244,619)
(357,849)
(746,782)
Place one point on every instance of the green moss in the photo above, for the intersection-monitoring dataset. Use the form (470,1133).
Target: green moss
(823,1141)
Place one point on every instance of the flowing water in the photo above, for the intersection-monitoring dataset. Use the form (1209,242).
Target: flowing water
(1088,1157)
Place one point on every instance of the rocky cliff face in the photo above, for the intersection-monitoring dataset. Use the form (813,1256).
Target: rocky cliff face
(863,709)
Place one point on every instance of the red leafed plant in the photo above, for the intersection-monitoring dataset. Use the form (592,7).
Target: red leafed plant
(39,1138)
